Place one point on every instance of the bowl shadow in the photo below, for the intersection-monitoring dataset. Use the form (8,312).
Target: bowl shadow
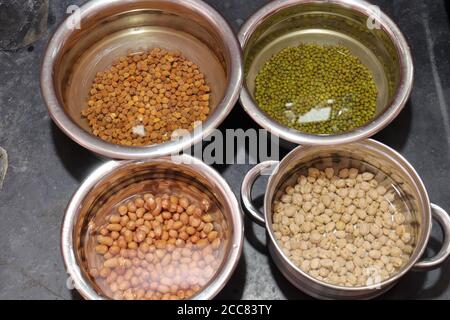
(234,289)
(396,133)
(78,161)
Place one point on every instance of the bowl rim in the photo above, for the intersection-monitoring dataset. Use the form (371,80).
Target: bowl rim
(106,149)
(382,150)
(102,173)
(393,108)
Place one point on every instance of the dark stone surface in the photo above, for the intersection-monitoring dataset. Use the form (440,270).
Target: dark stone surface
(22,22)
(45,167)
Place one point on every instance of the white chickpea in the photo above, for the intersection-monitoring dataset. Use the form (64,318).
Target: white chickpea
(306,265)
(353,173)
(315,237)
(297,198)
(335,224)
(286,198)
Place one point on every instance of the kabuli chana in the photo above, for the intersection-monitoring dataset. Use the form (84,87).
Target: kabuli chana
(317,89)
(143,98)
(157,247)
(343,227)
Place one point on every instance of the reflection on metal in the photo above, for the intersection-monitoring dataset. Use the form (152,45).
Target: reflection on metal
(3,165)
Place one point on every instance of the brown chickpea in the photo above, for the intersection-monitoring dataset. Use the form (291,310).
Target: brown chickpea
(202,243)
(123,210)
(132,245)
(216,243)
(124,220)
(131,207)
(173,233)
(122,243)
(148,196)
(115,235)
(184,218)
(107,241)
(140,236)
(157,209)
(166,215)
(207,218)
(146,252)
(177,225)
(114,250)
(140,212)
(114,219)
(165,204)
(139,202)
(184,202)
(198,212)
(131,225)
(191,209)
(173,208)
(148,217)
(101,249)
(190,230)
(128,235)
(132,216)
(114,227)
(194,222)
(150,204)
(213,236)
(173,199)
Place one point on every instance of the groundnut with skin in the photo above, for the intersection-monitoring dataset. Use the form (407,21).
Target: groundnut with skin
(148,252)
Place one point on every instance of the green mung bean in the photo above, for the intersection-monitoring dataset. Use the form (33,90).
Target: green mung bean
(317,89)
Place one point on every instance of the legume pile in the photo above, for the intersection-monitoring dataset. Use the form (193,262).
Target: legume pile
(157,247)
(317,89)
(143,98)
(343,227)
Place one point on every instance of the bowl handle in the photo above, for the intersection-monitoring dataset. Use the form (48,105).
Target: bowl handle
(246,190)
(442,217)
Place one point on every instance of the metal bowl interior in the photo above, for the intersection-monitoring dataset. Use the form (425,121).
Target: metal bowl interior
(382,50)
(389,168)
(118,181)
(111,29)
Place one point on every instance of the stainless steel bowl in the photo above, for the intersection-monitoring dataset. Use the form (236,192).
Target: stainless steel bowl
(283,23)
(112,28)
(118,180)
(366,155)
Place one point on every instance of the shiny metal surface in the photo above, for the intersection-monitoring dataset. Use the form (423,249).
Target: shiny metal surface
(384,51)
(366,155)
(442,217)
(246,190)
(114,28)
(112,178)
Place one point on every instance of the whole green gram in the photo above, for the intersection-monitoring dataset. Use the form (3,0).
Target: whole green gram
(317,89)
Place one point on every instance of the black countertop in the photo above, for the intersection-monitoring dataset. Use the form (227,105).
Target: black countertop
(45,167)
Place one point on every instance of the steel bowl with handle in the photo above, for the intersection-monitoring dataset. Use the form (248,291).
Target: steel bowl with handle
(365,155)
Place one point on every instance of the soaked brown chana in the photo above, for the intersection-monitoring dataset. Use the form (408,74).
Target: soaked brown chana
(143,98)
(157,247)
